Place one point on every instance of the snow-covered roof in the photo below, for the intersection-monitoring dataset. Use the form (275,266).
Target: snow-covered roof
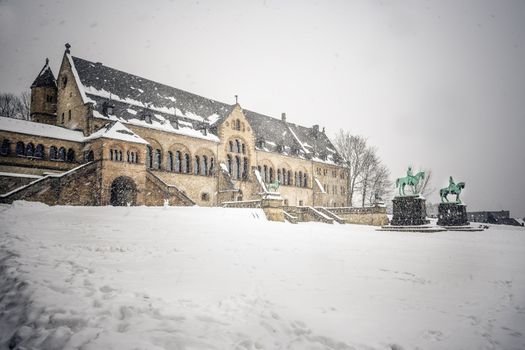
(149,104)
(117,131)
(113,130)
(45,78)
(40,129)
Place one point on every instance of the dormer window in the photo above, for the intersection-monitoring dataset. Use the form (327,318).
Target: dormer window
(147,118)
(107,109)
(261,144)
(280,148)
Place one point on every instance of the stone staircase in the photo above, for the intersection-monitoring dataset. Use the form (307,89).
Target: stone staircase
(328,213)
(53,189)
(290,218)
(171,191)
(304,214)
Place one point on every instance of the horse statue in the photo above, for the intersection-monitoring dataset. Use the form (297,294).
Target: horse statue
(452,188)
(274,186)
(410,180)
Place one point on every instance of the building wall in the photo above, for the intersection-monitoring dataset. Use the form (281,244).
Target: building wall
(71,111)
(334,179)
(228,131)
(43,165)
(43,105)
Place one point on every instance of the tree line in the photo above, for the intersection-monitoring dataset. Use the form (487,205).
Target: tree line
(15,106)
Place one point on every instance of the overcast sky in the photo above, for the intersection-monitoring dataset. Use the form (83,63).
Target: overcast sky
(434,84)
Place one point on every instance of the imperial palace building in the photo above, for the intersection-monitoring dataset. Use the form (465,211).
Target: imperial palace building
(100,136)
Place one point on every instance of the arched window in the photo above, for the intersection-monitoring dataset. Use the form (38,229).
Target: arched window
(90,156)
(229,165)
(128,157)
(178,162)
(30,150)
(245,168)
(6,147)
(243,148)
(71,155)
(289,178)
(295,178)
(170,161)
(279,178)
(149,157)
(158,159)
(305,180)
(20,148)
(230,144)
(238,124)
(61,154)
(238,146)
(271,175)
(300,182)
(187,163)
(204,165)
(111,156)
(237,167)
(197,165)
(265,173)
(212,166)
(39,151)
(120,156)
(53,153)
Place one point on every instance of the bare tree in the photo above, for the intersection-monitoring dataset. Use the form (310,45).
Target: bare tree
(352,149)
(13,106)
(370,164)
(25,105)
(381,183)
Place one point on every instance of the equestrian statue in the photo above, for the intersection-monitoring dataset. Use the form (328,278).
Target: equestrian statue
(410,180)
(274,186)
(452,188)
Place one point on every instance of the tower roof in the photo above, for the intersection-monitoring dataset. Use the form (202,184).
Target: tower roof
(45,78)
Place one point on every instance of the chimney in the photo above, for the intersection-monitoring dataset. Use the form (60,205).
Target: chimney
(323,129)
(283,117)
(316,129)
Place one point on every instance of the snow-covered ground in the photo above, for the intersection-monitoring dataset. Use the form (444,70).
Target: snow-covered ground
(213,278)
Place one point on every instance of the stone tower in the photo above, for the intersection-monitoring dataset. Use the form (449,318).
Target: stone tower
(44,97)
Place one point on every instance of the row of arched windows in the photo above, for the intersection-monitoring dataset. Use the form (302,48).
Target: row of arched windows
(236,146)
(180,162)
(115,154)
(29,150)
(237,166)
(285,177)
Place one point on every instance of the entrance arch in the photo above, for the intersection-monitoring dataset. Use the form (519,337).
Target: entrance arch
(123,191)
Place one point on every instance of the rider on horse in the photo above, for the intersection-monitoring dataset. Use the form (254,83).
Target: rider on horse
(451,184)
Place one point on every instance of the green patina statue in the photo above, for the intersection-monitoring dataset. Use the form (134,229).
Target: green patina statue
(452,188)
(274,186)
(410,180)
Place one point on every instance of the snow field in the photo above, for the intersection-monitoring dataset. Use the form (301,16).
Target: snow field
(214,278)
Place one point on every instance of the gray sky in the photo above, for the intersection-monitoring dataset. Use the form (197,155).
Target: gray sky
(435,84)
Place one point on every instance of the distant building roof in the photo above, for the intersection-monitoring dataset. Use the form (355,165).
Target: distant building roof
(146,103)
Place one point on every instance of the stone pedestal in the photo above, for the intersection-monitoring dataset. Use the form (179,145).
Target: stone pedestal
(409,211)
(452,214)
(272,205)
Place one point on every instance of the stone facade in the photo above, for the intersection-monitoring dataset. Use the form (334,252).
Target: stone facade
(212,164)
